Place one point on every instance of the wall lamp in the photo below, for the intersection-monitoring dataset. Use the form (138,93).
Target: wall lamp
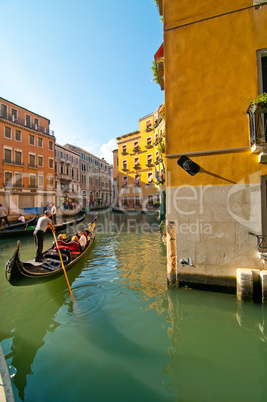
(188,165)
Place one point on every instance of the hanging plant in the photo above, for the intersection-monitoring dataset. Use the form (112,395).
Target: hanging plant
(155,71)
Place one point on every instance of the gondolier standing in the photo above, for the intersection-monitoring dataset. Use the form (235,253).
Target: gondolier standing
(42,224)
(3,215)
(54,214)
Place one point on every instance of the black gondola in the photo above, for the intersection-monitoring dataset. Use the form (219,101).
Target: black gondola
(29,230)
(19,273)
(18,225)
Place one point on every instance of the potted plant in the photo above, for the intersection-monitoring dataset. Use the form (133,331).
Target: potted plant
(260,102)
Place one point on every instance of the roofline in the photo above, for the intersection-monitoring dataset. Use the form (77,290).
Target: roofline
(25,109)
(127,135)
(67,149)
(145,117)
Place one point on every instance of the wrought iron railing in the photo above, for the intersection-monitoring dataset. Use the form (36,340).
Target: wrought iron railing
(257,126)
(22,122)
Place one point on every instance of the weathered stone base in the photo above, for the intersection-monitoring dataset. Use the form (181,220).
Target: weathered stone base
(212,226)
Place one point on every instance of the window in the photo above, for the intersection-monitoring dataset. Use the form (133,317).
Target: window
(32,181)
(7,132)
(3,111)
(14,114)
(157,156)
(27,120)
(67,157)
(51,181)
(41,181)
(124,165)
(50,145)
(124,181)
(40,142)
(8,179)
(150,178)
(149,141)
(18,158)
(137,200)
(40,161)
(51,163)
(150,199)
(71,158)
(148,125)
(32,161)
(137,179)
(125,200)
(31,139)
(136,162)
(124,149)
(8,155)
(149,159)
(36,123)
(18,180)
(18,135)
(136,145)
(61,155)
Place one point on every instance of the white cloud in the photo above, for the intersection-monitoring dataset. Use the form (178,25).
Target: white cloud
(106,150)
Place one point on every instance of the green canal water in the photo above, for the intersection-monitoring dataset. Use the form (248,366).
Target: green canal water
(128,337)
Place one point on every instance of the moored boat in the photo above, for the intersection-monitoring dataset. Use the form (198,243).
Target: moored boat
(19,225)
(30,229)
(19,273)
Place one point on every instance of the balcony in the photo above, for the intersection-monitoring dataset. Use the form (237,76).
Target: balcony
(136,149)
(258,128)
(13,163)
(137,166)
(22,123)
(150,145)
(32,166)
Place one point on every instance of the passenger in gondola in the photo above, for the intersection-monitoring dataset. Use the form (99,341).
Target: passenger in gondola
(61,236)
(42,224)
(82,240)
(21,218)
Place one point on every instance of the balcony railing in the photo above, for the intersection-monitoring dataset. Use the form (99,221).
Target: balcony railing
(14,163)
(258,126)
(22,122)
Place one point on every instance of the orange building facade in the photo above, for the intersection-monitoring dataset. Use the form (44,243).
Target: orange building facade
(27,147)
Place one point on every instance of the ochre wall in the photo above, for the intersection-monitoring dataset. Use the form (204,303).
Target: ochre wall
(210,74)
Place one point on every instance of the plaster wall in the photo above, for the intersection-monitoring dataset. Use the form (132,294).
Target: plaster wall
(212,225)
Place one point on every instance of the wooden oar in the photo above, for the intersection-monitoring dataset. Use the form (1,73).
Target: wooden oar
(63,266)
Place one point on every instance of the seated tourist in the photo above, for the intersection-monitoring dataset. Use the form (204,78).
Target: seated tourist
(82,240)
(21,218)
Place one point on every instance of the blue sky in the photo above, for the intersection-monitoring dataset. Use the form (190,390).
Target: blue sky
(85,65)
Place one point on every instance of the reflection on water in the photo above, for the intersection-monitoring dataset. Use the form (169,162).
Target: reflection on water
(128,337)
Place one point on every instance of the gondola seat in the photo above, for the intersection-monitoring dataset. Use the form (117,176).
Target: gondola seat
(54,255)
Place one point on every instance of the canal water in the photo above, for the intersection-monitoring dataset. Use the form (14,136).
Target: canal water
(127,337)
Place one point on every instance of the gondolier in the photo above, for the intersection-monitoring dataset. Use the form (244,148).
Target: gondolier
(42,224)
(54,214)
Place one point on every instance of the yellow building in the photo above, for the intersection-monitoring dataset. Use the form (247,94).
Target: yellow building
(141,164)
(215,61)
